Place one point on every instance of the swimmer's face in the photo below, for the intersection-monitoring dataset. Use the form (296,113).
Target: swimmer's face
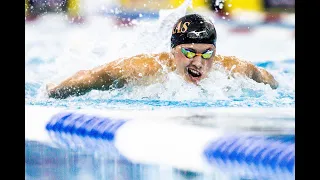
(193,69)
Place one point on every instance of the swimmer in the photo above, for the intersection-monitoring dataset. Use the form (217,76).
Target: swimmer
(192,56)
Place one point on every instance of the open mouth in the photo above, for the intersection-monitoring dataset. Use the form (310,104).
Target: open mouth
(193,72)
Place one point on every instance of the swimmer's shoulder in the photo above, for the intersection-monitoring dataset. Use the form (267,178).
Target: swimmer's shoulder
(223,58)
(229,60)
(150,62)
(166,57)
(163,58)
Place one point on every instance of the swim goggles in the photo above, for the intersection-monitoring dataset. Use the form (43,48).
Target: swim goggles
(190,53)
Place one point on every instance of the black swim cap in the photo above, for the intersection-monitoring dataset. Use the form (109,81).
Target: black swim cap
(193,28)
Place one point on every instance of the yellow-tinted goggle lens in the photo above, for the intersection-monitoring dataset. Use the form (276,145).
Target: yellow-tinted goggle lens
(187,53)
(207,55)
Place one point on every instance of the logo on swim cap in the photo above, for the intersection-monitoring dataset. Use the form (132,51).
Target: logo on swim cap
(193,28)
(195,34)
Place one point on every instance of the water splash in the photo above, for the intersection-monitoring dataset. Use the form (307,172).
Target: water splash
(154,36)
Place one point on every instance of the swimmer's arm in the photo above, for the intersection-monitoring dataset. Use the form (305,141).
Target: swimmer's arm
(237,66)
(261,75)
(80,83)
(117,73)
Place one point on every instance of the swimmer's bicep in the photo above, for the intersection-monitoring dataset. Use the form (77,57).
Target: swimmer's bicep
(102,77)
(256,73)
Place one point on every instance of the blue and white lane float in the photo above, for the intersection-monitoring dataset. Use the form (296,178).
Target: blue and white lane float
(167,137)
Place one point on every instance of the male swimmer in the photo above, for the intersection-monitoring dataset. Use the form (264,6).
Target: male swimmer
(193,54)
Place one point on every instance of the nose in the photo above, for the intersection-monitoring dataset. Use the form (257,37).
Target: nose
(197,61)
